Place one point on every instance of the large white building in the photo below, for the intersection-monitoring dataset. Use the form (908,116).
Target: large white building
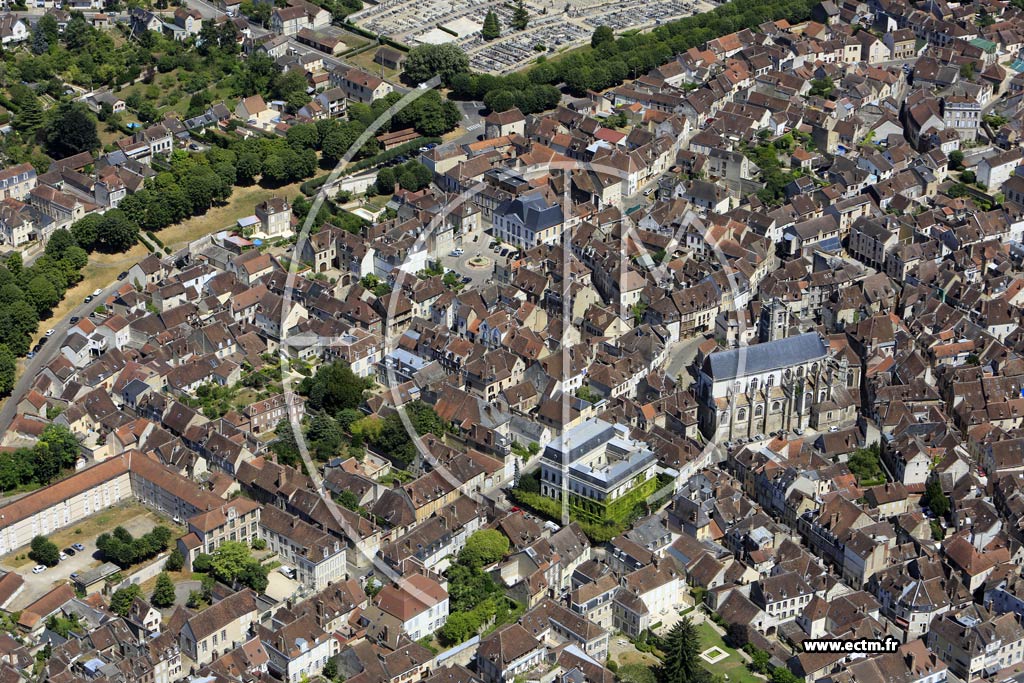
(598,463)
(528,221)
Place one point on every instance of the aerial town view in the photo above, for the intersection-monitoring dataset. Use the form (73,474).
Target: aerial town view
(512,341)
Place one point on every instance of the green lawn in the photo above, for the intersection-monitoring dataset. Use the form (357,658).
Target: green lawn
(734,664)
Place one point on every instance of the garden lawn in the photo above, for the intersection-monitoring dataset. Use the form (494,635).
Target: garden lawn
(364,60)
(734,664)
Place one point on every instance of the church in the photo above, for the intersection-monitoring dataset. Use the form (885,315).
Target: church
(790,383)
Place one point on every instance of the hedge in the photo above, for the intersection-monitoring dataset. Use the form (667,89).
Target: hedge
(310,187)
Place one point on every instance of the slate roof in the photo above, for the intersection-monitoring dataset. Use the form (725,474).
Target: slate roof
(773,355)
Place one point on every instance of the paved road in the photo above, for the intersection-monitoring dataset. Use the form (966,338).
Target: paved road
(681,355)
(32,366)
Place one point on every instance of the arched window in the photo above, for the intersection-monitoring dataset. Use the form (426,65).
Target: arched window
(807,401)
(753,385)
(741,414)
(776,406)
(821,395)
(814,369)
(800,371)
(770,382)
(758,411)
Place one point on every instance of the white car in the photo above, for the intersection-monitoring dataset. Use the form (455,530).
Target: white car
(457,252)
(97,292)
(49,333)
(38,569)
(63,556)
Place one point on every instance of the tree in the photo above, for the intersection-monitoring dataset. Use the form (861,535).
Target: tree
(738,635)
(44,551)
(635,673)
(682,650)
(8,369)
(163,592)
(334,388)
(935,499)
(116,232)
(29,114)
(284,446)
(956,159)
(175,561)
(330,670)
(71,129)
(781,674)
(43,295)
(324,436)
(968,177)
(86,231)
(122,599)
(484,547)
(822,87)
(458,628)
(426,61)
(492,27)
(601,36)
(520,17)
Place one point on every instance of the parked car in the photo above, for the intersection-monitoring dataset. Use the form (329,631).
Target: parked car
(30,354)
(97,292)
(504,252)
(122,275)
(70,552)
(78,546)
(73,576)
(89,298)
(43,341)
(457,252)
(63,556)
(49,332)
(38,569)
(36,348)
(466,280)
(74,319)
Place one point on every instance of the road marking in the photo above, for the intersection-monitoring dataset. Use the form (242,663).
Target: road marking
(474,126)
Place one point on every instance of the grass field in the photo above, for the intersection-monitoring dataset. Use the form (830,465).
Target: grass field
(242,203)
(89,528)
(734,665)
(364,60)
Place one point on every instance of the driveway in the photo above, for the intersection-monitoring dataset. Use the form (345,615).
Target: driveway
(37,585)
